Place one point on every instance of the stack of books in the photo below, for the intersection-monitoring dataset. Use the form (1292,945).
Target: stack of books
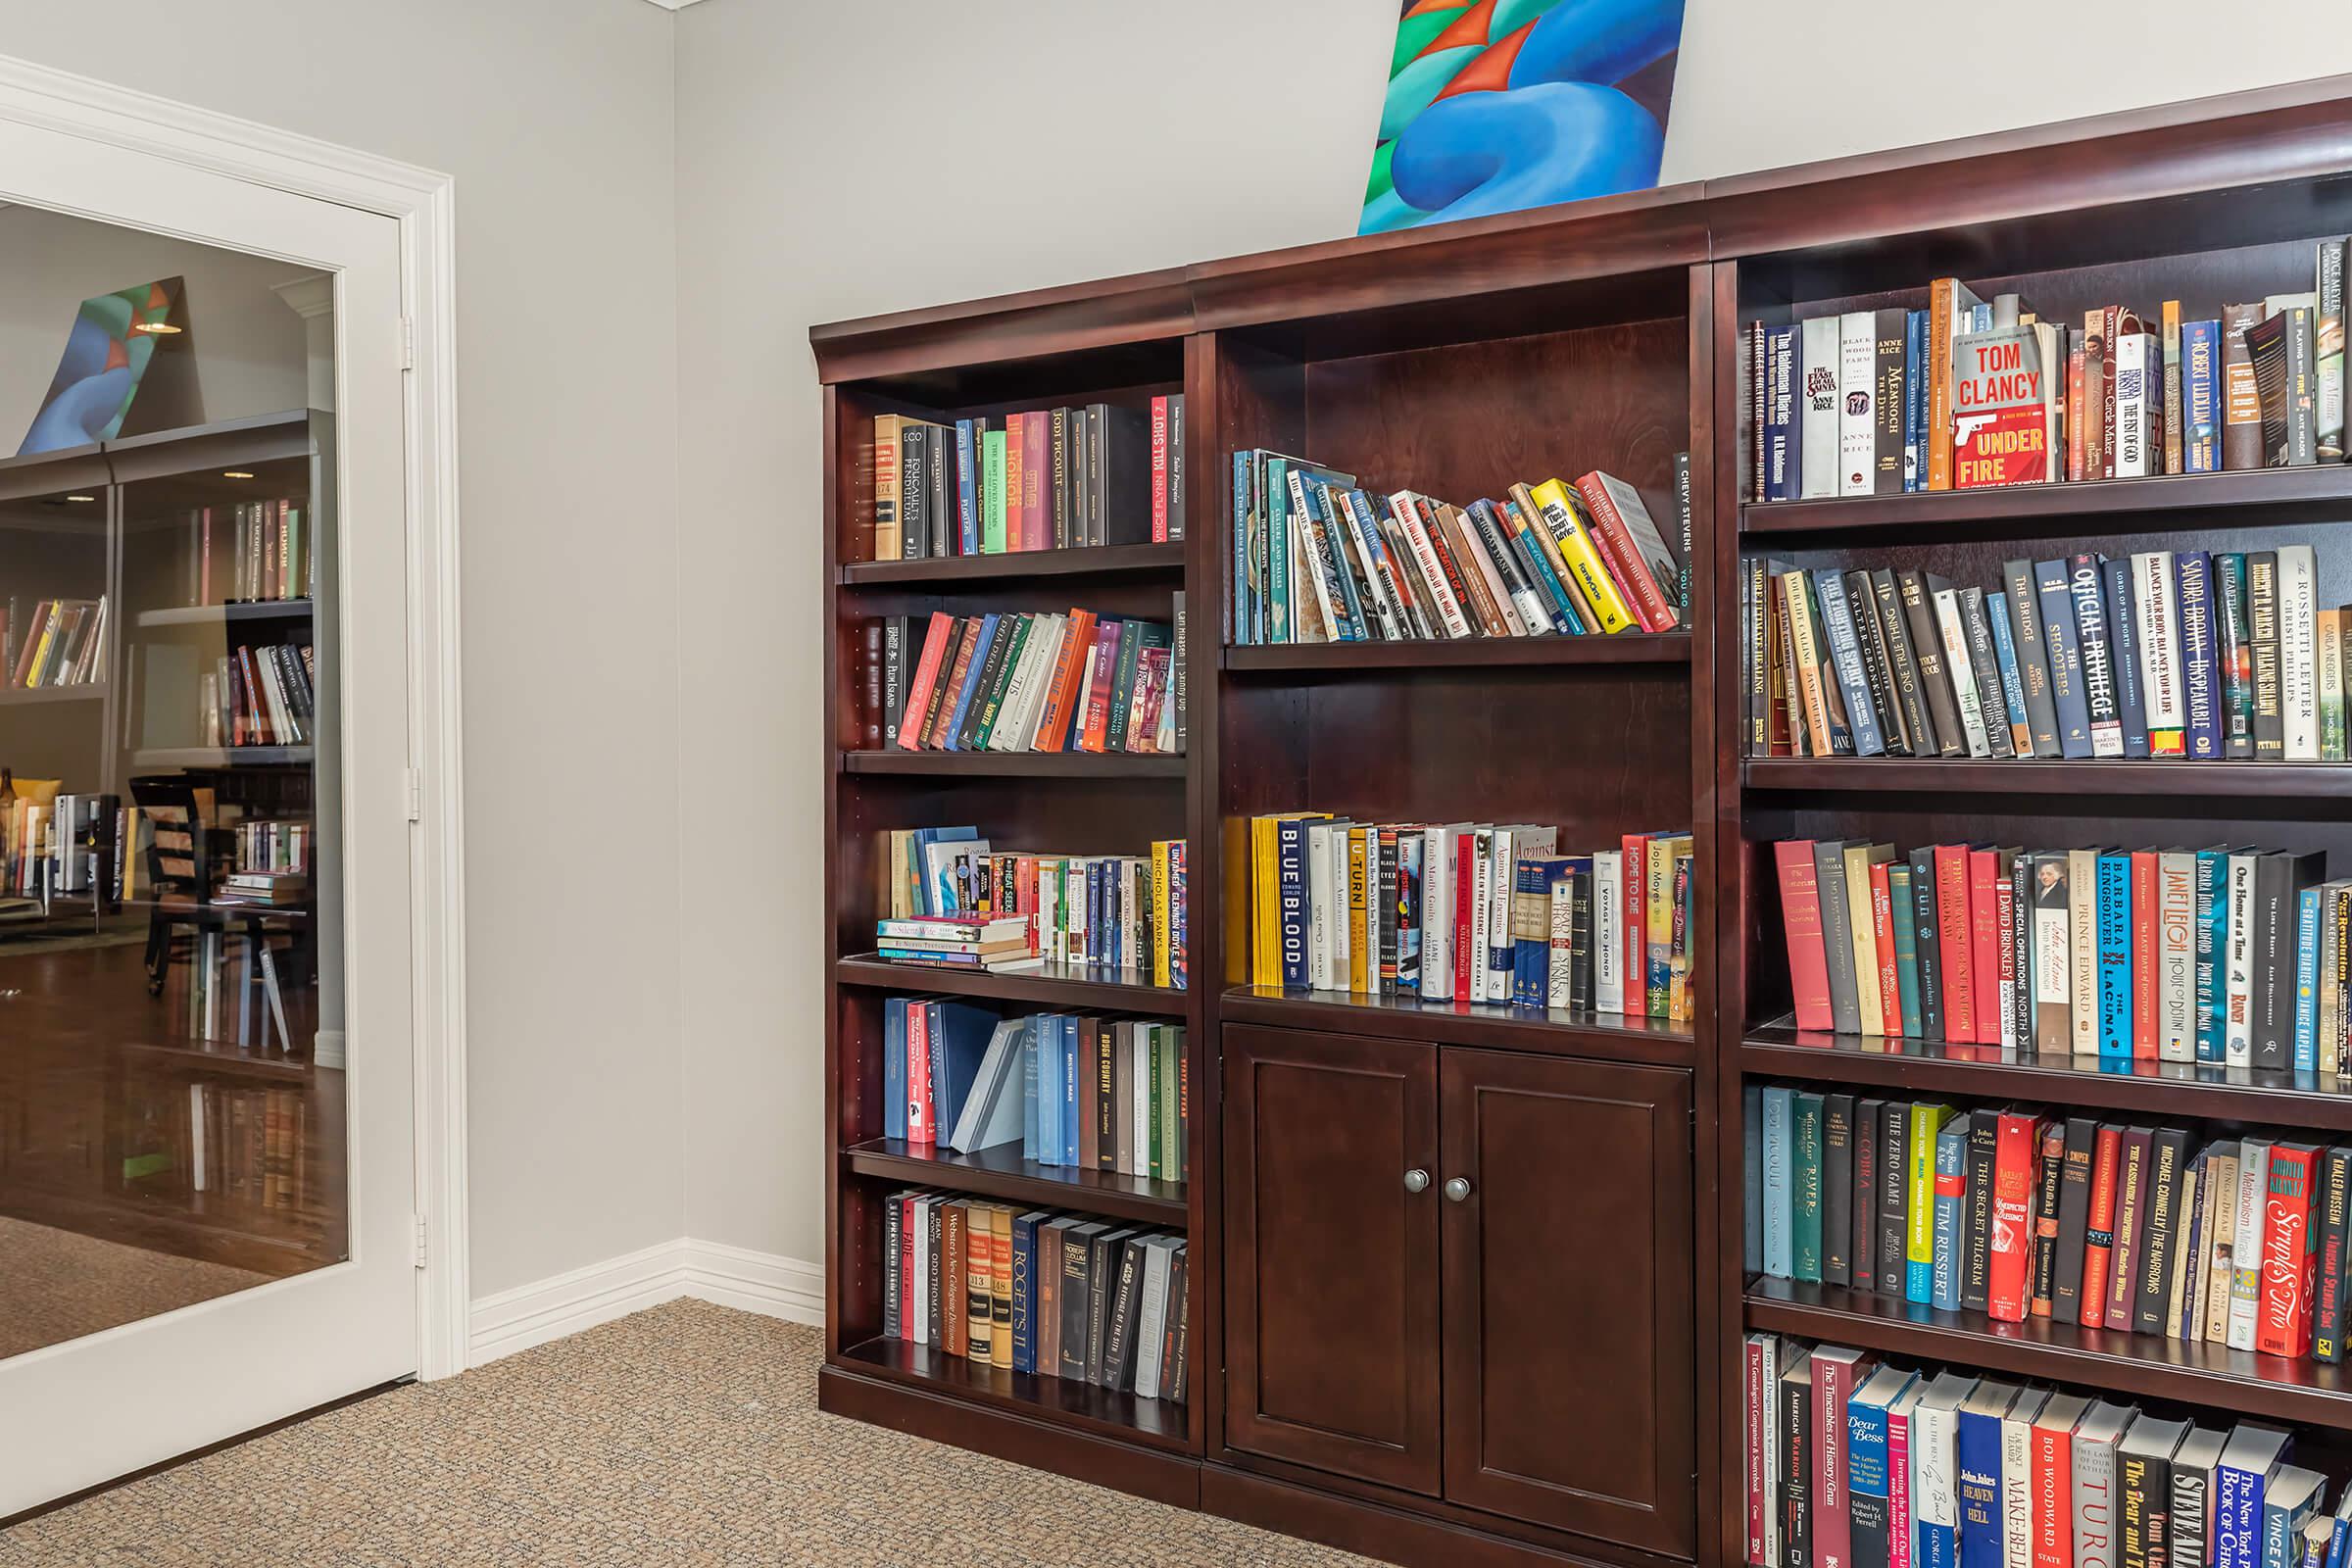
(1471,912)
(1023,682)
(274,844)
(53,642)
(1042,1293)
(1044,479)
(2227,955)
(276,889)
(1967,393)
(1850,1460)
(1318,559)
(2021,1213)
(2161,655)
(1072,1090)
(950,890)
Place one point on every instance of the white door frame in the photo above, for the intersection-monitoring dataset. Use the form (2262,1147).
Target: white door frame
(422,203)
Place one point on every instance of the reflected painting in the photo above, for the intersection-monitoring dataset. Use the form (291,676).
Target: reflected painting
(113,338)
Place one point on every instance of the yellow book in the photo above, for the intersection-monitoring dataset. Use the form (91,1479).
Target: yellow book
(888,539)
(1263,960)
(1813,685)
(38,674)
(1160,928)
(1359,907)
(1657,921)
(1677,995)
(1567,528)
(1862,929)
(1000,1286)
(1919,1186)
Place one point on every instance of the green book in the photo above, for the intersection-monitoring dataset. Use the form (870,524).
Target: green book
(1906,950)
(1157,1089)
(1275,497)
(992,492)
(1805,1235)
(992,704)
(1171,1102)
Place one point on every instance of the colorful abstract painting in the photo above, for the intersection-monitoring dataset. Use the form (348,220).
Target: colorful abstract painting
(1510,104)
(113,339)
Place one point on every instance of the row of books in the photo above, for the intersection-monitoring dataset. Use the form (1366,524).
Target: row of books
(1023,682)
(1317,559)
(2020,1212)
(66,843)
(53,642)
(245,1145)
(1072,1090)
(1868,1465)
(274,842)
(259,697)
(949,892)
(256,551)
(2227,955)
(1968,393)
(2196,655)
(1471,912)
(1042,479)
(1042,1291)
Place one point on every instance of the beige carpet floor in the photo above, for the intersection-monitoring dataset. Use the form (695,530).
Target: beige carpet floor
(56,1285)
(685,1436)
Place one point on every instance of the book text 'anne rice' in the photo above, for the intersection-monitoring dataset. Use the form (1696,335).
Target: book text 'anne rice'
(1999,434)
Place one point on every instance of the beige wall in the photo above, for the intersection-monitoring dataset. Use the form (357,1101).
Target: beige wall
(555,117)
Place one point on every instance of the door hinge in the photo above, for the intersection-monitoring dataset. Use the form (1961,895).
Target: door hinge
(408,344)
(415,790)
(417,1252)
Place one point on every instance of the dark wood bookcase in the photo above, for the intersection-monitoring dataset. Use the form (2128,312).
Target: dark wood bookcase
(1549,1369)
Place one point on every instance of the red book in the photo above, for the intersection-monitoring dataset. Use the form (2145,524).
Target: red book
(2290,1258)
(1465,897)
(1159,471)
(2016,1147)
(919,1128)
(2098,1231)
(2004,900)
(1037,461)
(2052,1492)
(1636,966)
(1094,730)
(2145,963)
(1952,934)
(926,676)
(1800,918)
(2131,1225)
(1985,947)
(1621,552)
(1061,696)
(958,673)
(1881,930)
(1836,1373)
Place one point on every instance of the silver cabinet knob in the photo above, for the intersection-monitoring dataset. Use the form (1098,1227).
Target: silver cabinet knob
(1416,1180)
(1457,1190)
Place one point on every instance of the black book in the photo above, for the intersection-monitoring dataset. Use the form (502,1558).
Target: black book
(914,490)
(1887,411)
(1991,695)
(1837,935)
(893,1238)
(1902,664)
(2017,866)
(1126,1304)
(1101,1292)
(1077,1293)
(1580,939)
(2032,656)
(2143,1466)
(1176,662)
(2123,630)
(1927,940)
(1975,1211)
(1894,1141)
(2278,878)
(1122,477)
(2262,624)
(1836,1188)
(1755,673)
(1870,1116)
(2048,1181)
(1796,1466)
(2332,1217)
(2089,595)
(2160,1239)
(1176,1360)
(2074,1218)
(2233,634)
(2281,351)
(901,646)
(946,529)
(1935,682)
(1861,601)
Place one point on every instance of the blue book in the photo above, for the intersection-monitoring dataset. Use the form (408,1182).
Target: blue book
(1867,1481)
(1977,1467)
(1070,1079)
(2012,680)
(1846,658)
(959,1036)
(1900,903)
(1804,1119)
(2252,1455)
(1031,1081)
(1095,920)
(893,1067)
(1322,537)
(971,679)
(1784,446)
(1024,1287)
(2200,397)
(1290,861)
(1548,581)
(1240,624)
(968,487)
(1915,402)
(2290,1500)
(2123,633)
(1049,1089)
(2115,953)
(2307,980)
(2213,918)
(2066,656)
(2200,657)
(1951,1151)
(1778,1195)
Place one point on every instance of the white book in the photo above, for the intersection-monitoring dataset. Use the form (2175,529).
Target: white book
(1482,872)
(1342,893)
(1958,666)
(1153,1325)
(1388,626)
(1934,1431)
(919,1331)
(1319,911)
(1563,934)
(1817,473)
(1425,556)
(2245,1253)
(1086,683)
(2177,956)
(1076,906)
(1496,890)
(1047,916)
(1138,1100)
(2298,651)
(2098,1513)
(2017,1478)
(2082,934)
(196,1146)
(1857,422)
(1040,684)
(1608,918)
(2155,607)
(2131,405)
(1489,573)
(2050,342)
(1764,1466)
(1438,868)
(1017,723)
(1328,596)
(2237,1016)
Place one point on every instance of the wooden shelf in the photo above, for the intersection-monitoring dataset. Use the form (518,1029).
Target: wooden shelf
(2267,1387)
(2091,781)
(1627,647)
(2318,492)
(219,755)
(241,610)
(37,696)
(1002,1172)
(1158,1423)
(2170,1089)
(1056,986)
(1016,764)
(223,1057)
(1099,561)
(1556,1031)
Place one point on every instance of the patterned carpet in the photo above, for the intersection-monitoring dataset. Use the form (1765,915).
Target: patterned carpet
(56,1285)
(684,1437)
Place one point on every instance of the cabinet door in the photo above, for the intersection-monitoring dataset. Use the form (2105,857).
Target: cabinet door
(1567,1299)
(1331,1263)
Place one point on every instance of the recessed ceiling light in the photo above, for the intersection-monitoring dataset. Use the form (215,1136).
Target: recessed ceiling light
(155,328)
(235,473)
(81,498)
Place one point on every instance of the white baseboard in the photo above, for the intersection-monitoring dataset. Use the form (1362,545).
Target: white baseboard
(709,1271)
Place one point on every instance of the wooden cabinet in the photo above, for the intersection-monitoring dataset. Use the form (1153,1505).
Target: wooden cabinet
(1512,1334)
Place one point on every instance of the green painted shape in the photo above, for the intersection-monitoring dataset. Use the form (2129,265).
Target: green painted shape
(1417,86)
(1382,178)
(1414,33)
(1387,211)
(1512,15)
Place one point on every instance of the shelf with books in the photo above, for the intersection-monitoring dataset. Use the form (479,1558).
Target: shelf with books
(1153,1423)
(1002,1172)
(2089,782)
(1321,658)
(2310,1392)
(13,696)
(1095,561)
(1053,985)
(1553,1030)
(1017,764)
(2266,497)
